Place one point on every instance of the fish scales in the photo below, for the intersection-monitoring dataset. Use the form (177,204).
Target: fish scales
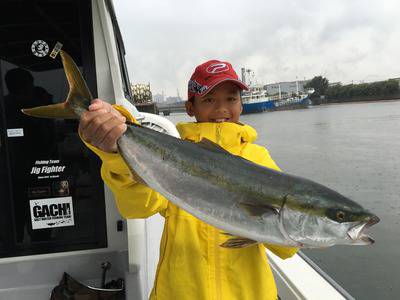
(185,179)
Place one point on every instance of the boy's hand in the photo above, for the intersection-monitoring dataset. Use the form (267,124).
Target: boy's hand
(102,125)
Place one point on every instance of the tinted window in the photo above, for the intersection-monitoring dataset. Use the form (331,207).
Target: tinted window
(53,196)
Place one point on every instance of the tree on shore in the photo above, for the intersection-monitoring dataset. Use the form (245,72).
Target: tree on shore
(319,84)
(363,90)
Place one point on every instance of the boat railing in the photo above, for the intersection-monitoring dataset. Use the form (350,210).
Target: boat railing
(299,277)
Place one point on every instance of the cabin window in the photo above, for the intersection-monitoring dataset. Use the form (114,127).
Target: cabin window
(52,197)
(121,53)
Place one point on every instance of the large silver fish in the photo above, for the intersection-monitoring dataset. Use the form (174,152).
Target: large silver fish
(247,201)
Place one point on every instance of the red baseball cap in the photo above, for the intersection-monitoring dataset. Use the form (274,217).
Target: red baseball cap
(209,74)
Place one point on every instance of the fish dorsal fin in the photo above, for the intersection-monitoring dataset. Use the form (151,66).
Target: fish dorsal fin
(258,210)
(210,145)
(238,242)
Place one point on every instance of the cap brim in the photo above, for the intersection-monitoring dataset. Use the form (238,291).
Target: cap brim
(239,83)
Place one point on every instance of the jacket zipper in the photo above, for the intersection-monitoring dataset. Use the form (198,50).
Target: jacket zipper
(217,265)
(217,259)
(218,134)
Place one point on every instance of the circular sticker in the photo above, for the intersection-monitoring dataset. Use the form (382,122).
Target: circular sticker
(40,48)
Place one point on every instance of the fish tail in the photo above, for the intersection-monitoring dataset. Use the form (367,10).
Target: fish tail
(78,100)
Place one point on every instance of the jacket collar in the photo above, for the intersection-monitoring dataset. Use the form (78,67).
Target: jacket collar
(228,135)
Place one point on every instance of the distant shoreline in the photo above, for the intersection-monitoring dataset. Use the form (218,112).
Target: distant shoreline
(358,101)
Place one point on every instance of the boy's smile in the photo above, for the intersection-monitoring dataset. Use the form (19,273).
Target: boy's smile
(221,104)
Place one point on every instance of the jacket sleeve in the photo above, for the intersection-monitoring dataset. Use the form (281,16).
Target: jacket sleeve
(133,199)
(262,157)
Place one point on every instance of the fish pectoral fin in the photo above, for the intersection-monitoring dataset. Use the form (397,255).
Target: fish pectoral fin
(254,209)
(238,243)
(210,145)
(226,233)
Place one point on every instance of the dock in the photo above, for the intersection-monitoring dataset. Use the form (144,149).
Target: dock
(167,108)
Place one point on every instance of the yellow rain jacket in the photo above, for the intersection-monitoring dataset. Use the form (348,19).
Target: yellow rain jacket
(192,265)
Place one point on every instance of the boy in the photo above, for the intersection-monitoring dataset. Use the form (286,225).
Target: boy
(192,264)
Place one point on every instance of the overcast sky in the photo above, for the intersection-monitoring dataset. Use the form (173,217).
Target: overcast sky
(343,40)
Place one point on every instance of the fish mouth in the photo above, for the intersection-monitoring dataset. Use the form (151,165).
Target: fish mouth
(357,233)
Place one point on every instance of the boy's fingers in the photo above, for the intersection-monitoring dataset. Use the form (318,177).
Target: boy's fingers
(100,127)
(109,143)
(87,117)
(90,123)
(94,105)
(89,132)
(97,104)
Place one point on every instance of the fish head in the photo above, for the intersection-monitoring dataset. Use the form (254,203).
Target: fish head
(325,219)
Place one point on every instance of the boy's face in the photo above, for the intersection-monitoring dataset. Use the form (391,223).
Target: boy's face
(221,104)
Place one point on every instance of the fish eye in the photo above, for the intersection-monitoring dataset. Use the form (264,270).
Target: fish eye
(340,215)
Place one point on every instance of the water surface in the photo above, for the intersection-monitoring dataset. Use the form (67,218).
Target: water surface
(354,149)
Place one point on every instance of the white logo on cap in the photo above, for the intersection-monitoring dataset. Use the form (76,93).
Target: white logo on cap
(217,68)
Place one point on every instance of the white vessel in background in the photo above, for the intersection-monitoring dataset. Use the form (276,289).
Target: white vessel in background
(257,99)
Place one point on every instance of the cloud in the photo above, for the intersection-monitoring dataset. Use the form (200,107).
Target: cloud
(280,40)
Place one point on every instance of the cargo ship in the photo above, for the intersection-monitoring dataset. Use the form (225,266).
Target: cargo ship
(257,99)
